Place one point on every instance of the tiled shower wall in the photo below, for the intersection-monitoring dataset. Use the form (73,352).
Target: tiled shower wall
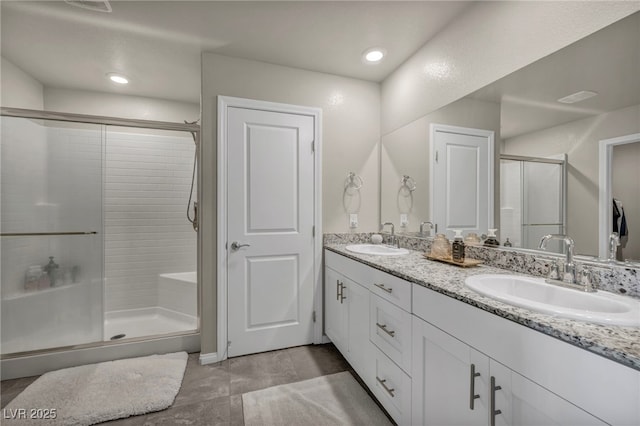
(147,182)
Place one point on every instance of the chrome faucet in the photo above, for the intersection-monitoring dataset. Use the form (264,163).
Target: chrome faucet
(422,224)
(614,242)
(569,272)
(393,241)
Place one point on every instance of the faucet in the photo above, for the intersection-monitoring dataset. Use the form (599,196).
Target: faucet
(569,275)
(614,242)
(393,241)
(422,224)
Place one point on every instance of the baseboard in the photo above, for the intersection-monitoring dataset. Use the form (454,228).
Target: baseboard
(210,358)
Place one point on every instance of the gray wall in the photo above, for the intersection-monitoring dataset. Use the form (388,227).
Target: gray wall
(19,89)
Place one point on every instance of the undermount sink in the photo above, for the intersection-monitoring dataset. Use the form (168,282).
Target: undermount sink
(377,249)
(535,294)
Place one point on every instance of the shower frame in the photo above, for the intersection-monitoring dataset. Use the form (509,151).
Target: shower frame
(22,364)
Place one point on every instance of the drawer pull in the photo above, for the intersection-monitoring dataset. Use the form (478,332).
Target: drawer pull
(337,289)
(383,327)
(472,386)
(493,411)
(382,383)
(381,286)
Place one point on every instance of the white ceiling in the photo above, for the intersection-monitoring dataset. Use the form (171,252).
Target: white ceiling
(606,62)
(157,44)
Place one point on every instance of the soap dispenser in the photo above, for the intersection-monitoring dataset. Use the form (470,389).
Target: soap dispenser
(491,240)
(457,247)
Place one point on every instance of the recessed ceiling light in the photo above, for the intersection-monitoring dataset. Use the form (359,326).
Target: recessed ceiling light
(577,97)
(118,78)
(373,55)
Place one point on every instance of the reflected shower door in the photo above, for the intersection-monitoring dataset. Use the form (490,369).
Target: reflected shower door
(52,237)
(532,201)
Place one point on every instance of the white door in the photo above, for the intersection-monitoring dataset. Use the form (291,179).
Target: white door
(461,179)
(270,219)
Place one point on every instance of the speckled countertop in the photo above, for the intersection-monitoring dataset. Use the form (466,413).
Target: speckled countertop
(621,344)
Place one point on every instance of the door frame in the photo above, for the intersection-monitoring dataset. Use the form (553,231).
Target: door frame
(605,156)
(489,135)
(225,102)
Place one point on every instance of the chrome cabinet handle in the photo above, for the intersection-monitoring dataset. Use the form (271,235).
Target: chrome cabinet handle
(383,327)
(381,286)
(235,246)
(472,386)
(337,289)
(342,296)
(494,412)
(382,383)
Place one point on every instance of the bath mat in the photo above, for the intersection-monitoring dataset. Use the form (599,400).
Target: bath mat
(336,399)
(95,393)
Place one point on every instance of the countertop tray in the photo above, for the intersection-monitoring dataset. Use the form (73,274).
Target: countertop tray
(468,263)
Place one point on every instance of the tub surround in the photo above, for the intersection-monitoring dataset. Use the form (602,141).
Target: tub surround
(621,344)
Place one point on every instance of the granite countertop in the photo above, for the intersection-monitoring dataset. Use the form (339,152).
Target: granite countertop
(620,344)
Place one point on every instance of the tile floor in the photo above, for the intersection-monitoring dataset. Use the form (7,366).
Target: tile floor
(212,394)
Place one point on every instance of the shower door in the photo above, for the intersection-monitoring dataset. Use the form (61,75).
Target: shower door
(52,237)
(532,200)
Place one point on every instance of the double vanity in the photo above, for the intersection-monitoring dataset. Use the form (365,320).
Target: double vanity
(437,351)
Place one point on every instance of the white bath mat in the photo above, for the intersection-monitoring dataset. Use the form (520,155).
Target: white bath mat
(336,399)
(95,393)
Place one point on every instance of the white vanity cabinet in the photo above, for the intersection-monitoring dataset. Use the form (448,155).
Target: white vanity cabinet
(433,360)
(347,318)
(454,384)
(537,379)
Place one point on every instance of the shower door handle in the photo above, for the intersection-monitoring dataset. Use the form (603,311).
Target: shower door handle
(235,246)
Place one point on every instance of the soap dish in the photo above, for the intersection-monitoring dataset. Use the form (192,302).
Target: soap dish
(466,264)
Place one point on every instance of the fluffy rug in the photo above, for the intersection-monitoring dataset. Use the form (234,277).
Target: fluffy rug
(95,393)
(328,400)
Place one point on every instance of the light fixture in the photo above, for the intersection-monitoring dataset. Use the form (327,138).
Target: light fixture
(577,97)
(373,55)
(118,78)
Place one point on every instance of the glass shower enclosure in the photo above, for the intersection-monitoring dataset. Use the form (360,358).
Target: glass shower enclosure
(532,200)
(95,242)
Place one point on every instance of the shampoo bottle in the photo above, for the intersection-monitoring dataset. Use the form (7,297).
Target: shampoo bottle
(457,248)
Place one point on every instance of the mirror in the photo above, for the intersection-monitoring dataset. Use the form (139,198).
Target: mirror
(547,155)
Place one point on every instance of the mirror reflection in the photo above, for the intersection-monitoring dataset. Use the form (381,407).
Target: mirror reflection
(548,120)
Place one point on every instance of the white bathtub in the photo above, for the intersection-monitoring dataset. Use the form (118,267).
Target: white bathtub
(179,292)
(60,316)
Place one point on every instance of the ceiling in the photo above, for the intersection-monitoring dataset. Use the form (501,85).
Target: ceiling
(157,44)
(606,62)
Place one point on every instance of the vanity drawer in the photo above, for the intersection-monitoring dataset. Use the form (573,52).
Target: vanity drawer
(391,386)
(356,271)
(391,288)
(390,331)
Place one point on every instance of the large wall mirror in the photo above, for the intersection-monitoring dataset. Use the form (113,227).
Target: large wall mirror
(547,120)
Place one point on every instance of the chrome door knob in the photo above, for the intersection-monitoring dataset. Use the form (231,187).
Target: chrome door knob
(236,246)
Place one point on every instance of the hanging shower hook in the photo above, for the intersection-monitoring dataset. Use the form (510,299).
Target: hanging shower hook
(408,182)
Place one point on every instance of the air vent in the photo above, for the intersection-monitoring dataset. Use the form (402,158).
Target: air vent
(95,5)
(577,97)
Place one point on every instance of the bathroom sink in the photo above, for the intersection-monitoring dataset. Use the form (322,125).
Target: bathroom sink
(535,294)
(377,249)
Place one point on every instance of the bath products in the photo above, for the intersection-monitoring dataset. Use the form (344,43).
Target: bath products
(440,247)
(457,248)
(491,240)
(508,243)
(376,238)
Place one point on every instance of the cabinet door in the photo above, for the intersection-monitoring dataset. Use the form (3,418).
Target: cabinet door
(335,318)
(358,325)
(450,379)
(523,402)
